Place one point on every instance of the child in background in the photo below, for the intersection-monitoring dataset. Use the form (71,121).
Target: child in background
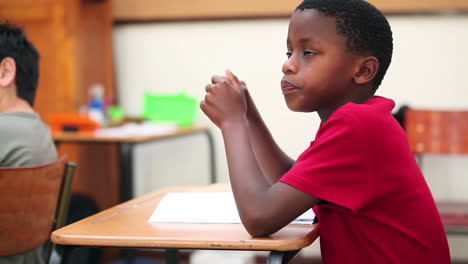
(359,174)
(24,139)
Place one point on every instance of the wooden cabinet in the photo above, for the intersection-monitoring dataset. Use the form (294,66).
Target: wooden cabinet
(74,38)
(75,42)
(173,10)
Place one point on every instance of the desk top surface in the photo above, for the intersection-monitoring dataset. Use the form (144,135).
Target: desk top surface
(125,225)
(91,137)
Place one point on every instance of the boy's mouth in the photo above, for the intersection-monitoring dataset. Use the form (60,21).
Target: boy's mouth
(287,87)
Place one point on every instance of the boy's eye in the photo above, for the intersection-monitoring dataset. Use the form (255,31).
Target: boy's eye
(309,53)
(288,54)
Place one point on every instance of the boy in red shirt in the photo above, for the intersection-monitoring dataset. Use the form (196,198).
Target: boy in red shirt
(359,174)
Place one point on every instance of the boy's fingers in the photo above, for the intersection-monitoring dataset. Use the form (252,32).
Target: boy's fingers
(233,79)
(217,79)
(209,88)
(243,85)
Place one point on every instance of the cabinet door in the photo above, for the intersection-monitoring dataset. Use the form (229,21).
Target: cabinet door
(44,23)
(74,38)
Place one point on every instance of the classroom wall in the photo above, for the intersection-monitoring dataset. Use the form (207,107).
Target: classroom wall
(429,69)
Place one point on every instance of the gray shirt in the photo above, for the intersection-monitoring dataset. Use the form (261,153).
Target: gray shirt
(24,141)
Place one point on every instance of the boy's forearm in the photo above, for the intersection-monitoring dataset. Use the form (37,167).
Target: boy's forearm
(244,172)
(264,208)
(271,159)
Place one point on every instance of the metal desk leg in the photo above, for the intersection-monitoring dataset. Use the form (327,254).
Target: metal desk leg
(172,256)
(67,253)
(281,257)
(126,185)
(212,156)
(126,163)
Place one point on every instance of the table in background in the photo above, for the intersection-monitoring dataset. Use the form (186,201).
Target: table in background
(126,146)
(126,226)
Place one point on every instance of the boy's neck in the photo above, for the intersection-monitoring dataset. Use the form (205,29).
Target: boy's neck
(357,99)
(11,103)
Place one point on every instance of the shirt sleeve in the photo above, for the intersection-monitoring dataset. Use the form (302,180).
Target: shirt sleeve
(335,168)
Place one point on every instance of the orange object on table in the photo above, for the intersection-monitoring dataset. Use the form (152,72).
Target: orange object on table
(71,122)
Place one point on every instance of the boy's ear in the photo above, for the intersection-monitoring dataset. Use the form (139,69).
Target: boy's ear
(7,72)
(368,68)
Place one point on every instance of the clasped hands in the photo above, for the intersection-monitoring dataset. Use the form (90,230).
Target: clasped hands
(225,100)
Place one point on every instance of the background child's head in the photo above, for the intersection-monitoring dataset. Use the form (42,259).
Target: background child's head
(366,29)
(15,45)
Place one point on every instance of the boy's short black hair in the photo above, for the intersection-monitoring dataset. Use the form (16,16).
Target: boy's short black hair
(14,44)
(364,26)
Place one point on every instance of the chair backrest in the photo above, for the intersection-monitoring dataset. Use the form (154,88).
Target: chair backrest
(34,202)
(437,132)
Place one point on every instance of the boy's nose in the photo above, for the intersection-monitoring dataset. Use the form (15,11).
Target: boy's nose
(289,66)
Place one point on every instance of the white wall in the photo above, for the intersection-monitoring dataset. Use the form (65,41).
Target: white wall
(429,69)
(174,57)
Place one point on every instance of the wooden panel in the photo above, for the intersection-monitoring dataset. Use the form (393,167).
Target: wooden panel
(26,14)
(142,10)
(74,38)
(181,9)
(89,29)
(95,49)
(417,6)
(437,132)
(460,4)
(44,27)
(24,3)
(98,174)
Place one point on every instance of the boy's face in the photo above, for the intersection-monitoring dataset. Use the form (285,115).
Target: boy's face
(318,75)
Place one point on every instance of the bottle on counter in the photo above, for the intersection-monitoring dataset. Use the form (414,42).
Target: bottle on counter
(97,108)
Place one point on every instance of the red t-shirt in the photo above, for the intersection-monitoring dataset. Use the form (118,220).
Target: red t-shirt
(379,208)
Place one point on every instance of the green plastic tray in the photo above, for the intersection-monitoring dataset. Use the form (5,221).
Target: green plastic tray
(178,108)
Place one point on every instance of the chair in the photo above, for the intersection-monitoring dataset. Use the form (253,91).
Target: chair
(34,202)
(444,133)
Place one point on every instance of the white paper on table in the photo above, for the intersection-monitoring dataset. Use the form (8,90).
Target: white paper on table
(204,207)
(147,128)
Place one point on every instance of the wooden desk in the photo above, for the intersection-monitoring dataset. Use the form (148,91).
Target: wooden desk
(126,225)
(126,146)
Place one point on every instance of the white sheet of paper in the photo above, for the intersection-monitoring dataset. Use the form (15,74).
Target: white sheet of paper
(147,128)
(204,207)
